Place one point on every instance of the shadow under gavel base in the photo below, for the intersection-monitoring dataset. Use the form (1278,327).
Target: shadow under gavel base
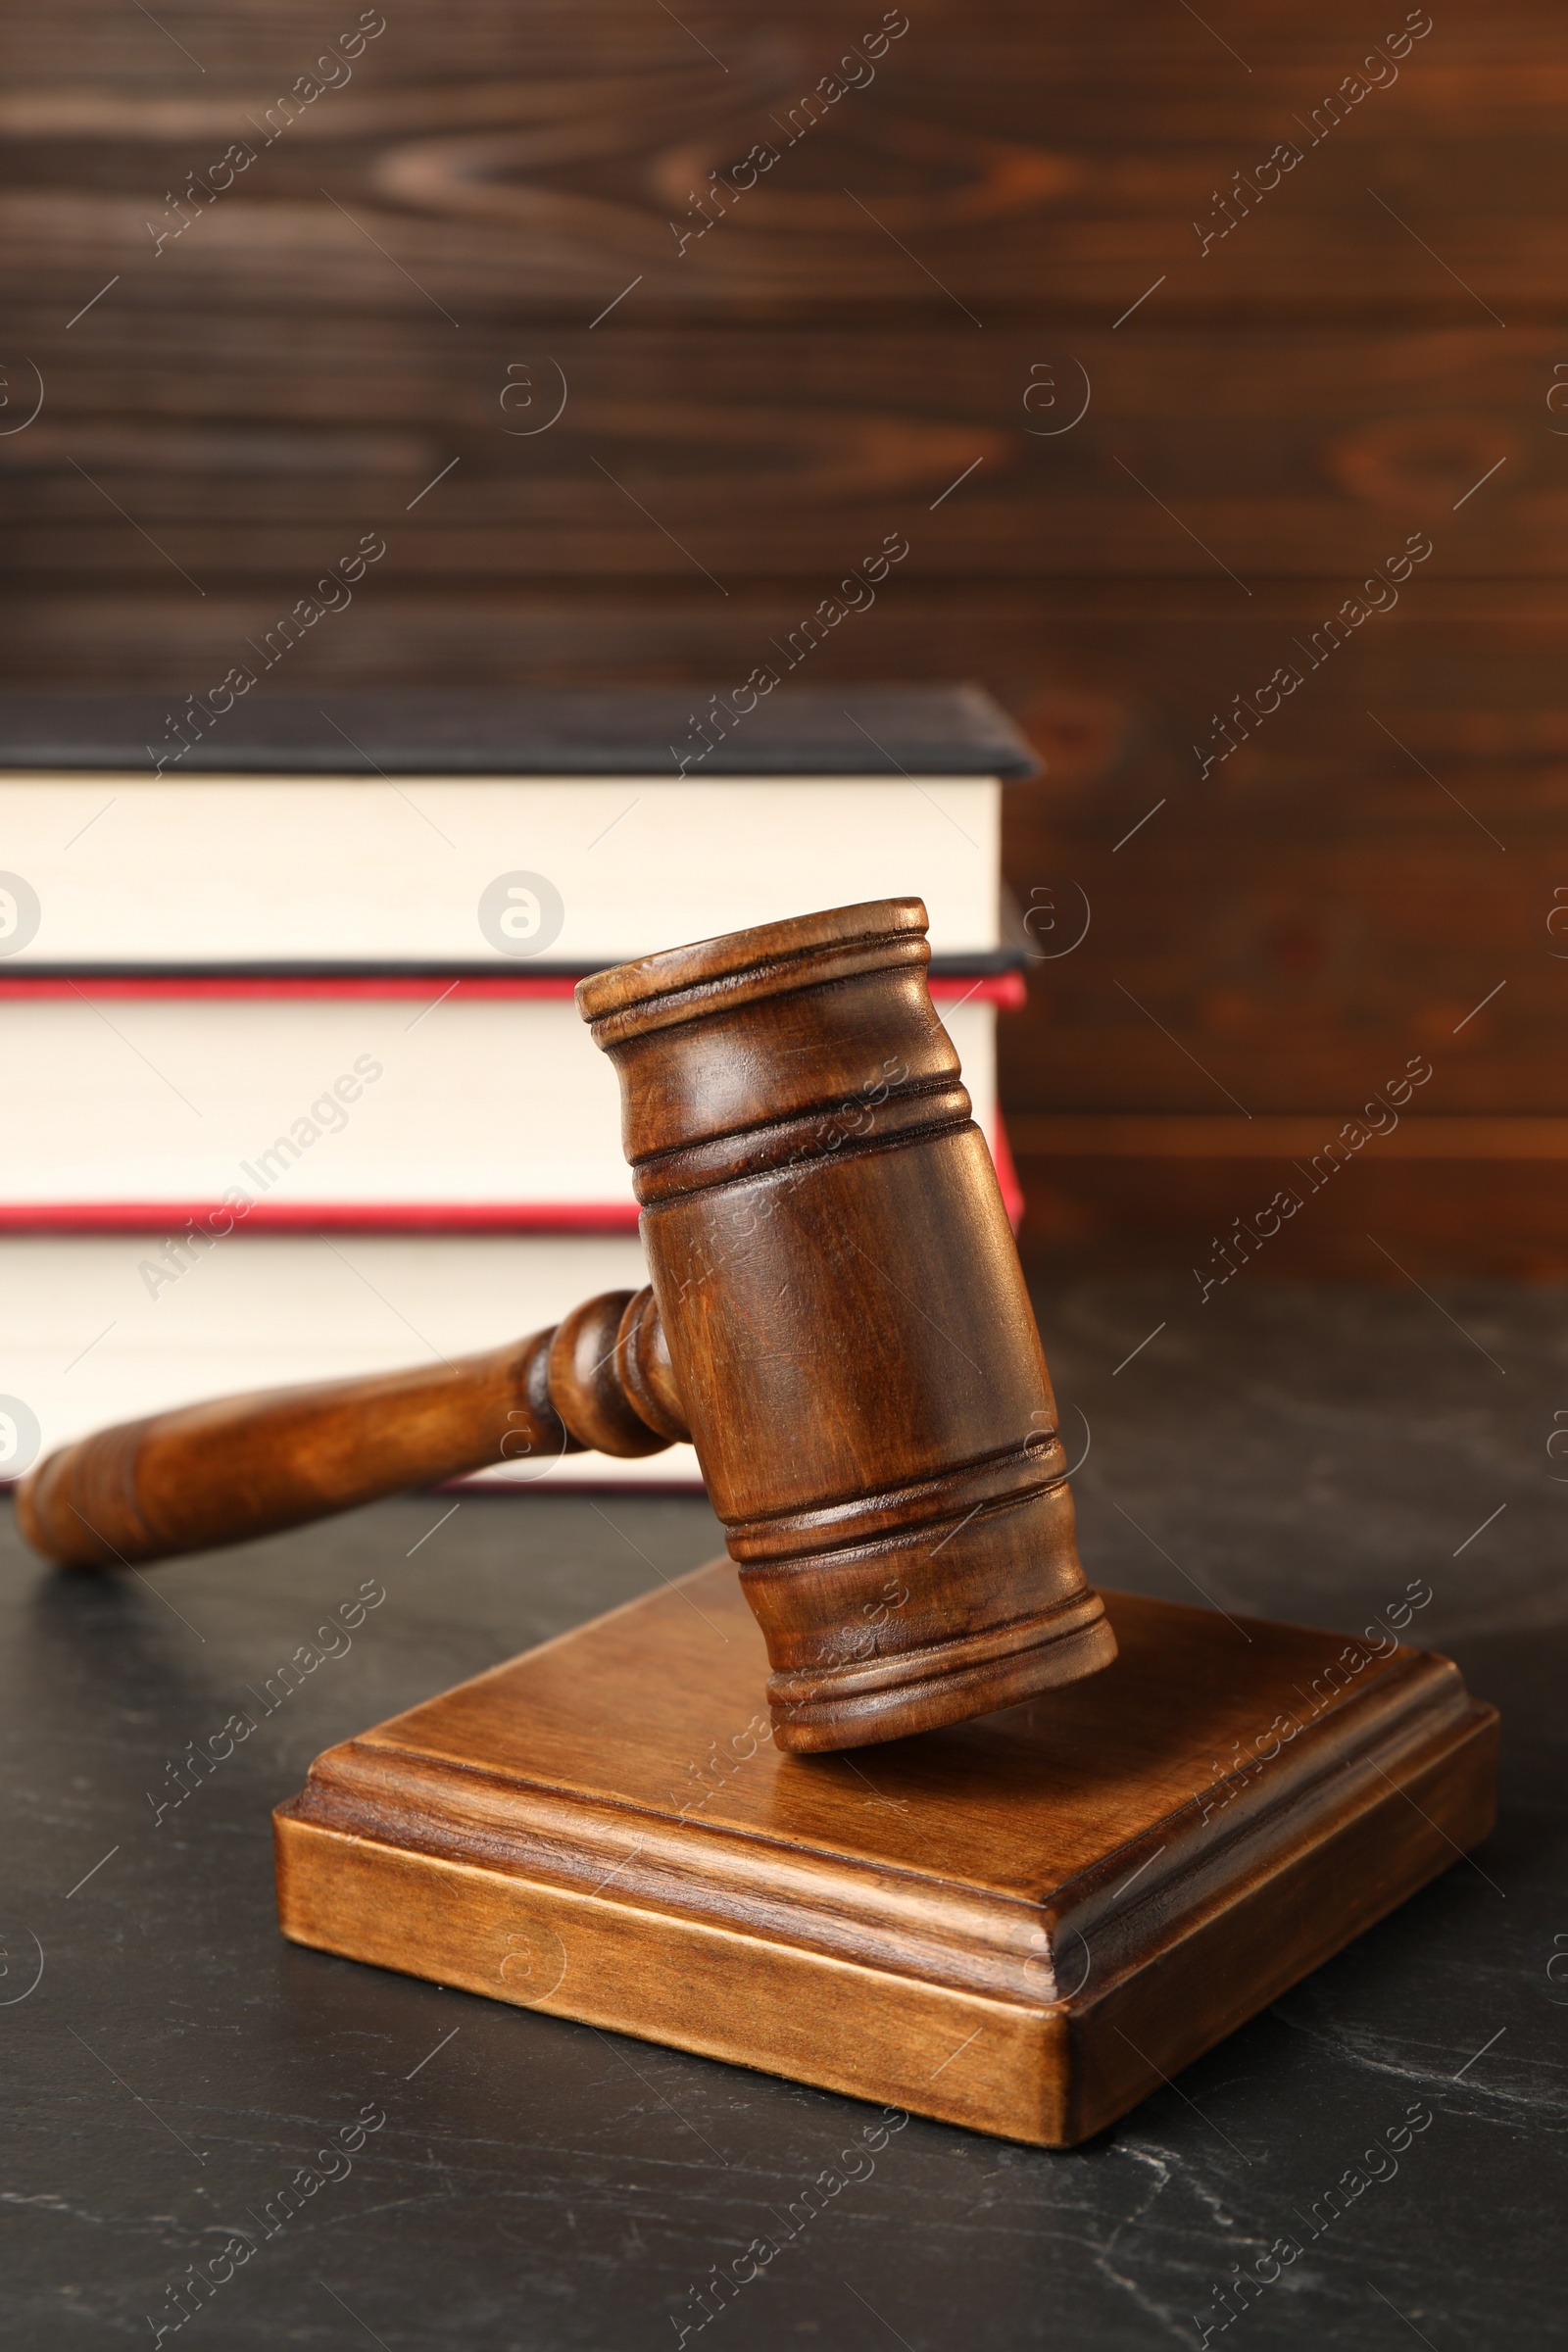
(1022,1924)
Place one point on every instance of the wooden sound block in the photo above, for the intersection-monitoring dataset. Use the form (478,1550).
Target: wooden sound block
(1022,1924)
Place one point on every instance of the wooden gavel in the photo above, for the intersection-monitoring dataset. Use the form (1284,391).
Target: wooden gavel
(837,1319)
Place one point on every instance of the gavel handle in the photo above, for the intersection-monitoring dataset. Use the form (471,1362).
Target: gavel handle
(243,1467)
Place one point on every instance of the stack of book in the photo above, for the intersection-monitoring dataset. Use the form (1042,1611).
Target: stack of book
(295,1087)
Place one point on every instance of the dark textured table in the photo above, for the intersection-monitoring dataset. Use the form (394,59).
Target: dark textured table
(170,2063)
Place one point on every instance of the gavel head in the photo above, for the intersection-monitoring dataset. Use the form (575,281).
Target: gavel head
(848,1324)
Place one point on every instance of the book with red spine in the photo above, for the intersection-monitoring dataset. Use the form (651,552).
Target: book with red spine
(296,1085)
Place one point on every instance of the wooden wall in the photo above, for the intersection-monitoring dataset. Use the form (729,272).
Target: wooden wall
(923,286)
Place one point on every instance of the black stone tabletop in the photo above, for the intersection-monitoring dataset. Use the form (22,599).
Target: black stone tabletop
(491,2176)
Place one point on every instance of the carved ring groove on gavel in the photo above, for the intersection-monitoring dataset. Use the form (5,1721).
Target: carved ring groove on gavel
(837,1319)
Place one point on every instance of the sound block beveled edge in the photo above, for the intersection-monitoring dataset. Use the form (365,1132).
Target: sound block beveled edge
(995,1943)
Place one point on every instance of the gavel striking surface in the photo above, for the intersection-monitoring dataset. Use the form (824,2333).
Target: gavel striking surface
(1022,1924)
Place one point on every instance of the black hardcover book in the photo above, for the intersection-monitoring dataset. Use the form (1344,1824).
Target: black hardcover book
(464,834)
(560,731)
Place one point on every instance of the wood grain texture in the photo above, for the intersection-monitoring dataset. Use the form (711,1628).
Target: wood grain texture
(1500,1217)
(1109,1190)
(848,1325)
(1056,162)
(238,1467)
(1021,1925)
(412,264)
(1290,453)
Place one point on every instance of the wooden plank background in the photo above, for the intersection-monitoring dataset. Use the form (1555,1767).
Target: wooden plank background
(928,284)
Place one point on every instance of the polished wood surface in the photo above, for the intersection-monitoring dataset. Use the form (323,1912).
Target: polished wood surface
(848,1324)
(243,1467)
(1022,1925)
